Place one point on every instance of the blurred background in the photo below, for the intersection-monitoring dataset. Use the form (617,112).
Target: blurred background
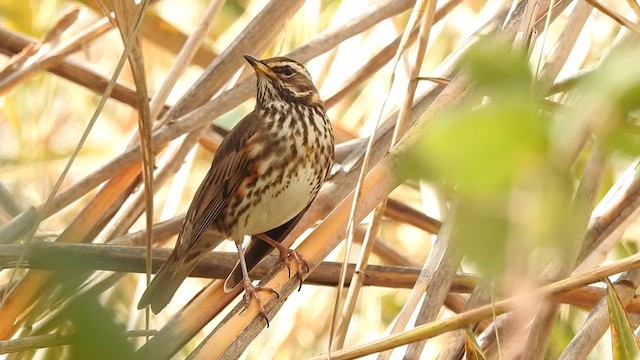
(524,143)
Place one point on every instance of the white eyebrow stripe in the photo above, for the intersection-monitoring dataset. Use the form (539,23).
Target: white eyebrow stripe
(294,66)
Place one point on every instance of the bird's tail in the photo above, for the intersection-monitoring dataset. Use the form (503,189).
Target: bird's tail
(165,283)
(173,272)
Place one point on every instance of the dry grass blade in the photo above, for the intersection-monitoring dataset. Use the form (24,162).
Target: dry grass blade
(564,45)
(424,13)
(12,43)
(185,56)
(129,26)
(47,341)
(17,301)
(615,16)
(598,321)
(475,315)
(49,51)
(340,319)
(621,204)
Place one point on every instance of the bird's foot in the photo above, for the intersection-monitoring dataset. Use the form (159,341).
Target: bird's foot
(287,255)
(251,291)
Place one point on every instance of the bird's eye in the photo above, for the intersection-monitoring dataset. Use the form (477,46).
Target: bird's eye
(286,70)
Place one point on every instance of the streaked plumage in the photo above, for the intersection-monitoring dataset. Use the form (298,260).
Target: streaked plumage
(267,170)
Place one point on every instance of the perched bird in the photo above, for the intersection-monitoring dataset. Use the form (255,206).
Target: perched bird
(264,175)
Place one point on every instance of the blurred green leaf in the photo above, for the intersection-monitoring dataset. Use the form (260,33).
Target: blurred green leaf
(611,97)
(95,335)
(481,149)
(497,136)
(497,70)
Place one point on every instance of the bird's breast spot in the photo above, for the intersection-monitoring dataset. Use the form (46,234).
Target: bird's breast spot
(281,202)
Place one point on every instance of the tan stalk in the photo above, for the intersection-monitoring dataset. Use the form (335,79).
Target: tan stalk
(40,61)
(50,340)
(184,57)
(12,43)
(635,7)
(615,213)
(424,15)
(128,24)
(563,46)
(128,215)
(439,327)
(615,16)
(597,322)
(128,259)
(164,34)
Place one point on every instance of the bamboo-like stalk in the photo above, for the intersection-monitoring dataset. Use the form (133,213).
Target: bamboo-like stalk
(598,320)
(12,43)
(342,313)
(473,316)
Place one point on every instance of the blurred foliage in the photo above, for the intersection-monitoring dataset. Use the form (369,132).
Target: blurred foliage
(95,335)
(497,151)
(18,15)
(493,139)
(482,148)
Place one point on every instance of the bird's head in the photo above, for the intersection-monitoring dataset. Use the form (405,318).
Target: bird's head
(282,80)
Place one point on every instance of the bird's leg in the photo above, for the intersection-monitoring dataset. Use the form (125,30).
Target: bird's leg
(286,255)
(251,291)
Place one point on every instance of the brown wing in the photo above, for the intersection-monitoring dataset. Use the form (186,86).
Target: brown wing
(229,167)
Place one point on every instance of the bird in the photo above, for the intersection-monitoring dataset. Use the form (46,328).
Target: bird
(265,174)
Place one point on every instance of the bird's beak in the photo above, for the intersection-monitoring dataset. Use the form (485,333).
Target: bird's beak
(258,66)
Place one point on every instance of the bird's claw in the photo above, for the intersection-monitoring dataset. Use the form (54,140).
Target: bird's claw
(286,256)
(251,291)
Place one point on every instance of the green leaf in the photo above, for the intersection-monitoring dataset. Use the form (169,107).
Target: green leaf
(96,335)
(471,347)
(480,149)
(625,345)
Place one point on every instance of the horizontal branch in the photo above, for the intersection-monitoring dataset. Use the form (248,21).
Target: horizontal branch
(217,265)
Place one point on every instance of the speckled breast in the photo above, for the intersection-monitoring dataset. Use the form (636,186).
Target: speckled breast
(290,161)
